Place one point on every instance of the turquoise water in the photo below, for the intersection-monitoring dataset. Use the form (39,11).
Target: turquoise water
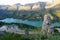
(33,23)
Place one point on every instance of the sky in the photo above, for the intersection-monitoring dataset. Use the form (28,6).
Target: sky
(11,2)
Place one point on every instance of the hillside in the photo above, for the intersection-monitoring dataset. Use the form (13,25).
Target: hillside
(33,11)
(51,5)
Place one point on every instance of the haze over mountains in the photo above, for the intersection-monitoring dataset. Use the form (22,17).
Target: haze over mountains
(30,6)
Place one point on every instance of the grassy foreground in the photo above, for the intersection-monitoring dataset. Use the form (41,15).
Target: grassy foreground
(12,36)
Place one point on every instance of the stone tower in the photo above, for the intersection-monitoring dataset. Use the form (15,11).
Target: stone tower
(46,24)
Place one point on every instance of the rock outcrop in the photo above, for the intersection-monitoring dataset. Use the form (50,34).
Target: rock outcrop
(46,27)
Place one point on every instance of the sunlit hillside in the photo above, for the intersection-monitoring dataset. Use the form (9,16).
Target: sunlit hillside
(24,8)
(57,10)
(12,8)
(58,13)
(54,3)
(36,6)
(52,17)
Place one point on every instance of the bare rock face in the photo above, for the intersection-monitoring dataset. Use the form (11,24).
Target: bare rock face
(46,27)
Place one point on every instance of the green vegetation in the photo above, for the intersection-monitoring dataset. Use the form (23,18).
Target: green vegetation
(29,15)
(36,36)
(55,14)
(11,36)
(40,36)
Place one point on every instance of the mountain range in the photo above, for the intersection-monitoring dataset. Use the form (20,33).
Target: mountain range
(30,6)
(31,11)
